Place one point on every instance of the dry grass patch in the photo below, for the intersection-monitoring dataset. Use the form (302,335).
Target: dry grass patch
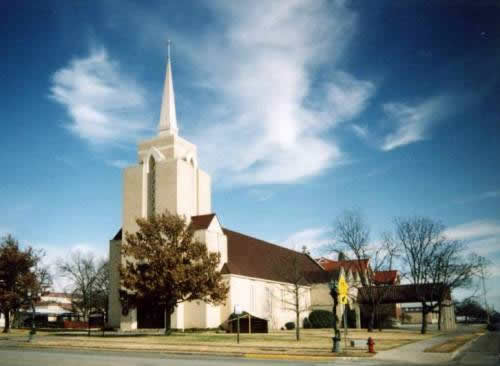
(453,344)
(313,341)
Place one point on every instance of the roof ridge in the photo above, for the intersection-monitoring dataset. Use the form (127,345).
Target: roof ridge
(263,241)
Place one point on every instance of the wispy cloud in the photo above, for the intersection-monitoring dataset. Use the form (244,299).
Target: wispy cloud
(473,230)
(360,131)
(120,164)
(103,103)
(260,64)
(413,122)
(260,194)
(313,238)
(483,238)
(489,195)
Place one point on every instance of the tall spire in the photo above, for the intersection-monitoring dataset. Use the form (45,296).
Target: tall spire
(168,117)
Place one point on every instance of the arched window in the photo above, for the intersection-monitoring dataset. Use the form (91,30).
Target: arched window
(152,187)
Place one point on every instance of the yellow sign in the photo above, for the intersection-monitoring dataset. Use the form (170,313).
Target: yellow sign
(343,288)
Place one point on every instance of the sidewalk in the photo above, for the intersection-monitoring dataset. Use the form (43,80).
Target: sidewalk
(414,353)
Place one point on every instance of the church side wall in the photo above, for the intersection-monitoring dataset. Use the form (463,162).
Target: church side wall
(267,299)
(194,314)
(132,198)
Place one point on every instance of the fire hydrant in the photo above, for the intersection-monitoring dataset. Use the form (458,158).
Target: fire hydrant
(371,345)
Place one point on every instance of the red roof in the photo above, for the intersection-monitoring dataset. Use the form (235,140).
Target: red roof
(353,265)
(386,277)
(201,222)
(248,256)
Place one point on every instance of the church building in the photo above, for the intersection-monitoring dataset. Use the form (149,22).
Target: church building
(167,177)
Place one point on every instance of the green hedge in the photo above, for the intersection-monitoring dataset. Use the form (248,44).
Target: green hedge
(290,325)
(321,319)
(306,323)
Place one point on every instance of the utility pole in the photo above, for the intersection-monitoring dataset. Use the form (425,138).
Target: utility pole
(484,292)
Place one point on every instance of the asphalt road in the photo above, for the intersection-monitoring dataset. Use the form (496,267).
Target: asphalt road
(17,357)
(485,351)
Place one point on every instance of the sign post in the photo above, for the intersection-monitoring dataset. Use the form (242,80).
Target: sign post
(344,300)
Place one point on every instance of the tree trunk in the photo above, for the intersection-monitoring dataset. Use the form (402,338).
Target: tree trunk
(440,310)
(167,314)
(423,330)
(6,328)
(297,314)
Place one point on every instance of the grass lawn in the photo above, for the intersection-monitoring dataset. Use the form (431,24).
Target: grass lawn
(313,341)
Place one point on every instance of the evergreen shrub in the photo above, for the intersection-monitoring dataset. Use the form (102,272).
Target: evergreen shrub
(321,319)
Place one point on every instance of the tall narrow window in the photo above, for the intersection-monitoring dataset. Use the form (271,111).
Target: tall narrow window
(152,187)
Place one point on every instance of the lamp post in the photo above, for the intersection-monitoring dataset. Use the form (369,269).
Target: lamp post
(333,285)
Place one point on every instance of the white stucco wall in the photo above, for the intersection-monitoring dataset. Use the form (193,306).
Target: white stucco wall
(266,299)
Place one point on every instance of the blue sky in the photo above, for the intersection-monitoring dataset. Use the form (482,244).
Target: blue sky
(300,109)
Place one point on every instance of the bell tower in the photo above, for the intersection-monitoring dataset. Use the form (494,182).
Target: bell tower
(167,176)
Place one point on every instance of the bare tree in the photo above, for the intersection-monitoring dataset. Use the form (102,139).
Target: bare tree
(352,234)
(84,273)
(101,288)
(450,269)
(293,294)
(434,264)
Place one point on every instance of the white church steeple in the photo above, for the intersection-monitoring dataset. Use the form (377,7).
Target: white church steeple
(168,117)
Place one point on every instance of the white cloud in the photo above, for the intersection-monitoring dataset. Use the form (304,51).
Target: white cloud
(313,238)
(360,131)
(479,197)
(261,66)
(260,194)
(474,230)
(120,164)
(483,237)
(413,123)
(104,104)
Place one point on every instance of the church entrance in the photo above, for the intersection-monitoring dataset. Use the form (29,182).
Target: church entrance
(150,316)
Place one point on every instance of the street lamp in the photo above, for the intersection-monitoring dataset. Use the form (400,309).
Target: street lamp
(334,293)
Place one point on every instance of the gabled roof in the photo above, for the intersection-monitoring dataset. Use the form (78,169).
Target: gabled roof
(251,257)
(386,277)
(353,265)
(118,235)
(201,222)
